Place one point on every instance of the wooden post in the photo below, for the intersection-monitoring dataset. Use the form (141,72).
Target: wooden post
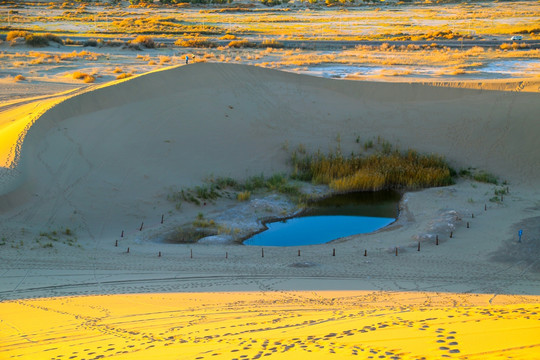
(467,224)
(262,252)
(226,255)
(334,252)
(502,198)
(472,216)
(299,252)
(122,234)
(418,246)
(162,218)
(116,243)
(128,250)
(191,253)
(365,252)
(485,207)
(436,239)
(451,233)
(142,224)
(396,250)
(159,255)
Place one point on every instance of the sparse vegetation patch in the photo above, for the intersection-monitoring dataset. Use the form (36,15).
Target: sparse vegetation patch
(63,236)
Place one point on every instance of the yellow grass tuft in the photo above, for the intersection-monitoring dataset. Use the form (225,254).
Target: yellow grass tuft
(196,43)
(19,78)
(244,195)
(164,59)
(144,40)
(228,37)
(77,75)
(242,44)
(124,76)
(16,34)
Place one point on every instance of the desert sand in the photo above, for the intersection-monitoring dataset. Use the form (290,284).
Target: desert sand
(283,325)
(102,160)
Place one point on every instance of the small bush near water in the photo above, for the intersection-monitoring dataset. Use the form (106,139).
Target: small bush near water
(215,188)
(388,170)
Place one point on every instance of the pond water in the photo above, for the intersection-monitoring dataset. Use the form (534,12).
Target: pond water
(332,218)
(489,70)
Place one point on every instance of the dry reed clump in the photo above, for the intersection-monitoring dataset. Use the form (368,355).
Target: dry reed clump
(85,55)
(12,35)
(196,43)
(145,41)
(33,39)
(124,76)
(244,195)
(242,44)
(228,37)
(514,46)
(19,78)
(160,25)
(272,44)
(77,75)
(384,170)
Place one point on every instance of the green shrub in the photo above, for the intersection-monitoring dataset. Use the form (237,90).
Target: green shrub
(486,178)
(225,182)
(189,235)
(206,192)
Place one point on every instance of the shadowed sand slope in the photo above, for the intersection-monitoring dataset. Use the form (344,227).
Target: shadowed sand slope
(118,149)
(277,325)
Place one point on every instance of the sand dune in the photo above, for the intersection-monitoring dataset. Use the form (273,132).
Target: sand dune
(104,160)
(111,152)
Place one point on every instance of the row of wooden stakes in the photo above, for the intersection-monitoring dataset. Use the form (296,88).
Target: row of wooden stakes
(333,250)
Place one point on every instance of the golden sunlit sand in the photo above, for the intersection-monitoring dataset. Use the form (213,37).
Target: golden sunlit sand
(280,325)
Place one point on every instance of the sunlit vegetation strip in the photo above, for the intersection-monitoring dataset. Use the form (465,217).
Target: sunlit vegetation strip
(382,170)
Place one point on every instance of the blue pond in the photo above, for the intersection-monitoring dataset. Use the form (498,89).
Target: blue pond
(330,219)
